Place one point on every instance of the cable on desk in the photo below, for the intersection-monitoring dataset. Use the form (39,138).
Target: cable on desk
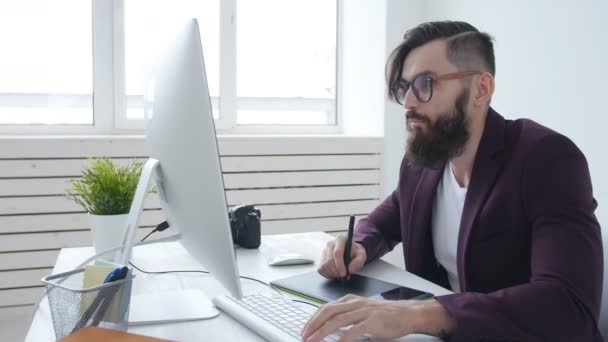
(164,225)
(261,282)
(204,272)
(305,302)
(166,272)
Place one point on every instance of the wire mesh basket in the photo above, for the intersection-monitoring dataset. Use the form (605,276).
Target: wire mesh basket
(74,307)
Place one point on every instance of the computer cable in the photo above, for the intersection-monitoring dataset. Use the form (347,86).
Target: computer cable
(304,302)
(203,272)
(159,228)
(164,225)
(166,272)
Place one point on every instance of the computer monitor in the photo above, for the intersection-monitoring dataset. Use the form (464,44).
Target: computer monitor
(181,135)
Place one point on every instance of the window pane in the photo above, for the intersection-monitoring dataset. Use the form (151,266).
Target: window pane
(141,19)
(283,117)
(46,62)
(282,56)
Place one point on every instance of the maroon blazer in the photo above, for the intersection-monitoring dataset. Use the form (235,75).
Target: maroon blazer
(529,249)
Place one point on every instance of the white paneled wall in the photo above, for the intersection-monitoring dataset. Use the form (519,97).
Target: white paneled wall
(299,183)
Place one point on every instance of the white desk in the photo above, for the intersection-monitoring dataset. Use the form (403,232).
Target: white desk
(252,263)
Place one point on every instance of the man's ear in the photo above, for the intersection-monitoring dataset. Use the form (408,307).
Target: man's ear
(484,89)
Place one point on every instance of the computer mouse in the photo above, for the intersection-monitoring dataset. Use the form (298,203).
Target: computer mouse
(287,259)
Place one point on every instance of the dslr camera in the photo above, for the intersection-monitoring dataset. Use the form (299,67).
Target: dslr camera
(245,225)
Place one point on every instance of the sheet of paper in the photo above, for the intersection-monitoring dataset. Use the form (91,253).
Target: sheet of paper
(94,275)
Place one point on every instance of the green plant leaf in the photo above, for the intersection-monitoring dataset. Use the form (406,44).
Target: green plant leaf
(105,187)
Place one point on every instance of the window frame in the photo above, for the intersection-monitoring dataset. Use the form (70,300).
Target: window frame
(103,69)
(109,100)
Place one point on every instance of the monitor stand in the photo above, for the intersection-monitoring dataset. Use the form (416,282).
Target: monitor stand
(170,306)
(151,308)
(123,255)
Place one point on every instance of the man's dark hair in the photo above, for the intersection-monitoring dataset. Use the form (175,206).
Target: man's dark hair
(468,48)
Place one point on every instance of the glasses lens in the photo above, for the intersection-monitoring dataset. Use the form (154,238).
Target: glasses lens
(423,87)
(400,92)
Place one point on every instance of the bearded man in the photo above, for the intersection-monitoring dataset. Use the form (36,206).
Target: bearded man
(499,211)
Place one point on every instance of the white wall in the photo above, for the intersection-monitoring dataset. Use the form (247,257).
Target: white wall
(551,60)
(362,64)
(401,15)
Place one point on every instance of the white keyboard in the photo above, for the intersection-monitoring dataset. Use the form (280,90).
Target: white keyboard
(274,318)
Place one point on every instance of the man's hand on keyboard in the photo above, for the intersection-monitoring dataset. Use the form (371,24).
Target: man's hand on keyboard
(381,319)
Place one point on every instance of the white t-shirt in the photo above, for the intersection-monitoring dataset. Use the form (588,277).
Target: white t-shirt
(447,211)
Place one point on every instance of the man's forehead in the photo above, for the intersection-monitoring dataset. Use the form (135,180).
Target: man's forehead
(431,57)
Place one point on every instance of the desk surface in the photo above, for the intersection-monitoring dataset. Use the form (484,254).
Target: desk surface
(251,263)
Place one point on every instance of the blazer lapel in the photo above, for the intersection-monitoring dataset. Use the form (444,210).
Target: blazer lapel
(487,165)
(419,219)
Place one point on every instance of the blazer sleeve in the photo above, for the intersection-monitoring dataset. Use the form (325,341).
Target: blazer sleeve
(561,302)
(380,231)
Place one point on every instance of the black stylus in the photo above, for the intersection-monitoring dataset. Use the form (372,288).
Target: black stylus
(349,243)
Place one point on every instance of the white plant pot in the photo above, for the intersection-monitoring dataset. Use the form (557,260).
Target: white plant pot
(107,231)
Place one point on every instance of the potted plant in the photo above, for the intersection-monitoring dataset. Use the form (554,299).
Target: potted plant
(106,191)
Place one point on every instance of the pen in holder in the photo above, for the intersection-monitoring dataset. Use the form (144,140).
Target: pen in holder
(74,307)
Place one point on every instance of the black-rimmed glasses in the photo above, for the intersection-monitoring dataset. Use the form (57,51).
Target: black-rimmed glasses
(422,85)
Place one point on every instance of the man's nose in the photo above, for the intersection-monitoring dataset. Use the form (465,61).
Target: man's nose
(411,101)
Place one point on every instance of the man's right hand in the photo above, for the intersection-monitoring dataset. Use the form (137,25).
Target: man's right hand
(332,262)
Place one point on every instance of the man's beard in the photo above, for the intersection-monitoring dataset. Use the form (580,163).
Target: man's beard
(442,140)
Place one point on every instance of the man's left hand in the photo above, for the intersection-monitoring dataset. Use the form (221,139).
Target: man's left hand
(380,319)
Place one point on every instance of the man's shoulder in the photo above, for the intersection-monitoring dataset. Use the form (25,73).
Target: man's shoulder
(528,136)
(525,130)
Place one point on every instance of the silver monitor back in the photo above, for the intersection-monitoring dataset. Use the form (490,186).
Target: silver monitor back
(181,135)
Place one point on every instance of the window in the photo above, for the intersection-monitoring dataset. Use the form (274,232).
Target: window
(286,62)
(270,63)
(46,62)
(140,20)
(277,68)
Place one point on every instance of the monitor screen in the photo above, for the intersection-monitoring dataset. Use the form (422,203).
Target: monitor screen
(181,135)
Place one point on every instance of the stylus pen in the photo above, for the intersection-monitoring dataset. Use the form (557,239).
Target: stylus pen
(349,243)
